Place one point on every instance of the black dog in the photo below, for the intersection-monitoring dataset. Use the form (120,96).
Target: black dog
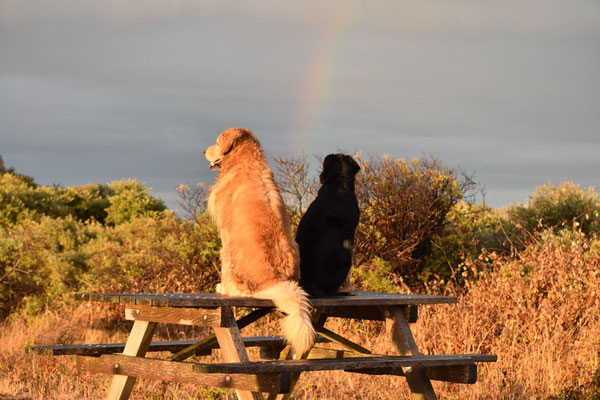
(326,231)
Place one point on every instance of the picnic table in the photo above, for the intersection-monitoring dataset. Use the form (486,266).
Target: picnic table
(277,376)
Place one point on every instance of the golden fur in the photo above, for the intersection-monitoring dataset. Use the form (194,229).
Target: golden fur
(259,256)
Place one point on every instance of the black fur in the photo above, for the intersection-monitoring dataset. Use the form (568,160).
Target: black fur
(329,222)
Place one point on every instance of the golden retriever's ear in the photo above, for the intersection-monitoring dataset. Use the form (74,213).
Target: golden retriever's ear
(229,137)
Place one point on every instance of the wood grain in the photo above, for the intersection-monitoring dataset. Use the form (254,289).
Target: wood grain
(211,341)
(333,364)
(368,313)
(216,300)
(182,372)
(334,337)
(455,374)
(318,320)
(272,345)
(402,337)
(233,350)
(173,315)
(137,344)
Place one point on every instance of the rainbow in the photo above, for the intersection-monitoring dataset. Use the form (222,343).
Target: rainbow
(318,82)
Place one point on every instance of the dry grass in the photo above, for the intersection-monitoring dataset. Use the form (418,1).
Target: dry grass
(539,312)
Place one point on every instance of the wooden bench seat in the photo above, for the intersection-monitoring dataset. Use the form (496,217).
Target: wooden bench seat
(274,376)
(206,300)
(96,350)
(353,363)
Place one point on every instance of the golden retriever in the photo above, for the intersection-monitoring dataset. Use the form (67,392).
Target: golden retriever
(259,256)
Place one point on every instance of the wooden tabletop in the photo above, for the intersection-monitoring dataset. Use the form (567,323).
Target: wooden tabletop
(207,300)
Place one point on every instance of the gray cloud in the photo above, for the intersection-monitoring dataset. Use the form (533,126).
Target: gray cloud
(98,91)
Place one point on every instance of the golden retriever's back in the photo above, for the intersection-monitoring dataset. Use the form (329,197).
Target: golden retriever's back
(253,220)
(259,257)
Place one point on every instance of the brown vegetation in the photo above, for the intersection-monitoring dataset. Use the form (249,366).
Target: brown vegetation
(527,278)
(539,312)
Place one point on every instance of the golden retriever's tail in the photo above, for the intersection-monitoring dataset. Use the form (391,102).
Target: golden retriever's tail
(297,326)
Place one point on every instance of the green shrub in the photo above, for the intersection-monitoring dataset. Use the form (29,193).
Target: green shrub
(128,199)
(158,253)
(114,203)
(474,229)
(469,231)
(89,202)
(41,261)
(376,276)
(557,207)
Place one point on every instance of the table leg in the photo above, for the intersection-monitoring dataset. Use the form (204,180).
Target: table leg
(318,321)
(403,339)
(233,349)
(137,345)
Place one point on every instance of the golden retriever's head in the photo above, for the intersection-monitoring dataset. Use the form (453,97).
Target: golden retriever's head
(226,142)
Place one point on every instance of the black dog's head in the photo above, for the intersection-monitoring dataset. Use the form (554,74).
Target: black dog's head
(339,168)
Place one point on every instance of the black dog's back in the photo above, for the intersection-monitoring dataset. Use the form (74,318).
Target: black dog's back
(326,231)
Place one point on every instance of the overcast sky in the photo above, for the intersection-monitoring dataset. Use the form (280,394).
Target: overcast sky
(96,91)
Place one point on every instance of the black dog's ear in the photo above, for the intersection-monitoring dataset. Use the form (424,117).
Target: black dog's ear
(332,169)
(354,167)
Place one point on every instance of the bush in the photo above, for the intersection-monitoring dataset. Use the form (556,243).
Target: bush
(18,200)
(114,203)
(557,207)
(89,202)
(41,261)
(470,230)
(128,199)
(155,254)
(403,207)
(537,309)
(376,275)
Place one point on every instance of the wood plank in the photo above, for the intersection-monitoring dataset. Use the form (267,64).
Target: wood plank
(333,364)
(183,373)
(455,374)
(96,350)
(201,346)
(172,315)
(217,300)
(318,320)
(319,352)
(233,350)
(397,327)
(266,341)
(466,374)
(253,317)
(197,348)
(137,344)
(370,313)
(334,337)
